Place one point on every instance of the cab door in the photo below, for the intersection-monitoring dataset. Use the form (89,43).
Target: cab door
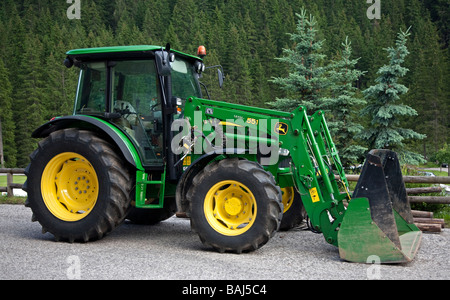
(136,98)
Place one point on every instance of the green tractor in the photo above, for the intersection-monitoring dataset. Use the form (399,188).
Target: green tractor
(143,145)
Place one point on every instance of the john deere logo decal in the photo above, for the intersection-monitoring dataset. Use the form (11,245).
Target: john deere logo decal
(281,128)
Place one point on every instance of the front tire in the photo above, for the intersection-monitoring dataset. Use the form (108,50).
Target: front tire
(235,205)
(78,187)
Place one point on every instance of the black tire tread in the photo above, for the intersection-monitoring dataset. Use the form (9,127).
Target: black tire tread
(267,183)
(119,176)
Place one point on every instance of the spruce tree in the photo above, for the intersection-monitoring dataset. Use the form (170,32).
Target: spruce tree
(427,82)
(342,105)
(29,104)
(6,118)
(185,21)
(239,84)
(384,107)
(306,79)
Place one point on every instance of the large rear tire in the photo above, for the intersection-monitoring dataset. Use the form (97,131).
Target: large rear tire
(78,187)
(235,205)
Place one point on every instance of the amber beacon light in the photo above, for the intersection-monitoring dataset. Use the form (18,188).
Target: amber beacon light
(201,52)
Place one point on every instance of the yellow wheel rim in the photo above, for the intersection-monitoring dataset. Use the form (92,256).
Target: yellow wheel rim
(287,197)
(230,208)
(69,187)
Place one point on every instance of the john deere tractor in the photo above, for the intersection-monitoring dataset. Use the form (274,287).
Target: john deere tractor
(143,145)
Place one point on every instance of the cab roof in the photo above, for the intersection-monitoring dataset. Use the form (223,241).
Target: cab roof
(122,51)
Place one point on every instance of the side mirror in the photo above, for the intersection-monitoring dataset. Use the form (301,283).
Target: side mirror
(219,73)
(163,59)
(221,78)
(68,62)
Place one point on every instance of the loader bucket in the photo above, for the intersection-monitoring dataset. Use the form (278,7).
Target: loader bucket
(378,223)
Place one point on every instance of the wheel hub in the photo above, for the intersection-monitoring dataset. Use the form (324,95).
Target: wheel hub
(79,185)
(233,206)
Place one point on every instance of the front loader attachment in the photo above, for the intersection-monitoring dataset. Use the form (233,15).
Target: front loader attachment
(378,223)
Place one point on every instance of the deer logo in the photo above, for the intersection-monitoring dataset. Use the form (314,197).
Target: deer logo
(281,128)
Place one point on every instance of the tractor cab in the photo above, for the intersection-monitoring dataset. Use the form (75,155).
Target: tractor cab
(130,87)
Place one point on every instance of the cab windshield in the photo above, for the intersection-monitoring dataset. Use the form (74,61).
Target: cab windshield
(184,80)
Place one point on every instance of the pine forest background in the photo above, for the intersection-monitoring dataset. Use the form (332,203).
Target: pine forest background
(244,37)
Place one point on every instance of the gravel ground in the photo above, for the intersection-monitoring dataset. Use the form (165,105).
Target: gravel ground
(170,251)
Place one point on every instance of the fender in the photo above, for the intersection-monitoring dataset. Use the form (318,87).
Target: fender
(97,125)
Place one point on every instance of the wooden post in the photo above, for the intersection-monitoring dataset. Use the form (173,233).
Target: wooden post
(9,183)
(425,221)
(429,227)
(422,214)
(426,179)
(441,222)
(429,199)
(423,190)
(2,159)
(411,179)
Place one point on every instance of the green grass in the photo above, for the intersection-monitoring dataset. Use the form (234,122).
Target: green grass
(444,213)
(439,174)
(16,179)
(12,200)
(428,165)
